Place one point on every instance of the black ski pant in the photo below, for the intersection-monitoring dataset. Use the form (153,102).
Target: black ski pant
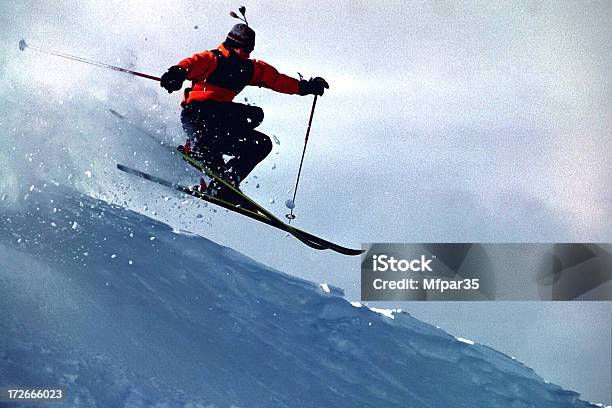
(226,128)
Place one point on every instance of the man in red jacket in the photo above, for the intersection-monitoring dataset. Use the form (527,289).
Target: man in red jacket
(215,125)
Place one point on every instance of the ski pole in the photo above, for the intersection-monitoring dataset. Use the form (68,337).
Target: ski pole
(291,205)
(23,45)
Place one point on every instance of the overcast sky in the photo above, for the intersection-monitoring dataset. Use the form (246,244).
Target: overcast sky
(445,121)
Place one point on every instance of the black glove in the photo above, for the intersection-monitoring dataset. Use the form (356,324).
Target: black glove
(173,79)
(314,86)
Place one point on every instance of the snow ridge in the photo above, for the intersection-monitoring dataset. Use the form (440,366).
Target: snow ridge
(124,311)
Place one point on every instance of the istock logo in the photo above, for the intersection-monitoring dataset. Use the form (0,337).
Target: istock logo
(383,263)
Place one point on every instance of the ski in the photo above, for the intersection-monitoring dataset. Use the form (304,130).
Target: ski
(311,240)
(222,203)
(202,168)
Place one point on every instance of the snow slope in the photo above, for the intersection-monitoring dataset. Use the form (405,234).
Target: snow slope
(124,311)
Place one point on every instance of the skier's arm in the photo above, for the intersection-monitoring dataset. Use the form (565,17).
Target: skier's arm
(196,67)
(199,66)
(267,76)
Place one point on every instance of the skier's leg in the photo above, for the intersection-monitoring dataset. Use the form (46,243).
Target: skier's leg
(204,133)
(238,139)
(248,151)
(240,116)
(193,124)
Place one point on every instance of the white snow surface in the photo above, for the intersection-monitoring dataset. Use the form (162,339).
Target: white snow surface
(119,319)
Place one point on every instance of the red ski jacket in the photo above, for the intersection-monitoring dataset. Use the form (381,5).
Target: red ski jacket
(220,75)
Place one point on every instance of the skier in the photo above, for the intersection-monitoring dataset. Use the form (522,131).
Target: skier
(216,126)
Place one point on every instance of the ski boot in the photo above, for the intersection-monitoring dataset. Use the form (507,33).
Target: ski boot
(202,187)
(221,191)
(189,149)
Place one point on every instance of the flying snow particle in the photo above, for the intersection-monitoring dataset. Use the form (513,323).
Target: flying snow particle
(276,139)
(88,173)
(325,287)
